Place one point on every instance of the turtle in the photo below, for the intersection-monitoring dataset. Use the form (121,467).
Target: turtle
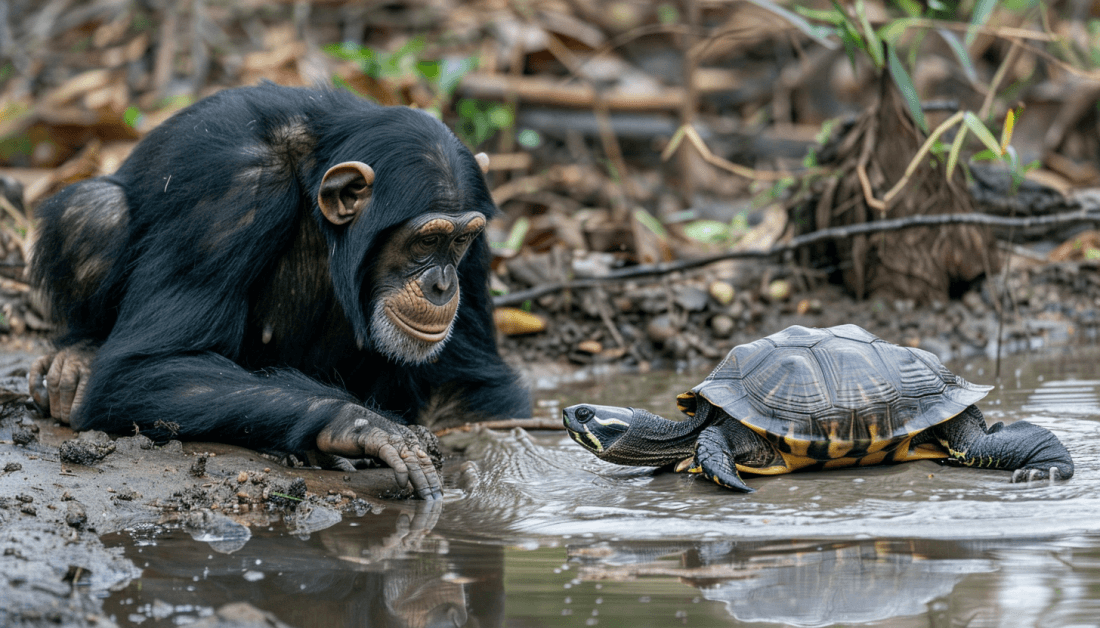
(808,399)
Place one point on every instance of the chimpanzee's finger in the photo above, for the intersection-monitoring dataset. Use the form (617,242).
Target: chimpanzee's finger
(81,388)
(424,480)
(36,382)
(53,386)
(389,455)
(71,373)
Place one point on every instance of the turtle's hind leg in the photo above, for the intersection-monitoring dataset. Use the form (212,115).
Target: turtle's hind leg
(1029,451)
(718,449)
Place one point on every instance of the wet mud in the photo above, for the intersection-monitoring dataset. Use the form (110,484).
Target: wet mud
(61,490)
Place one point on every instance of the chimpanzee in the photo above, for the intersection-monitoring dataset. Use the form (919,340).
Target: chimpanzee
(281,268)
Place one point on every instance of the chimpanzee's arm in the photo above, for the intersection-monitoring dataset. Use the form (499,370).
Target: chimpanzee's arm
(208,396)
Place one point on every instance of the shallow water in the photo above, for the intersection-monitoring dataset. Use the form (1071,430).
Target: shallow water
(539,532)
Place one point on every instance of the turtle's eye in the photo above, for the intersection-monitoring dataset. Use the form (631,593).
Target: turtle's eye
(583,414)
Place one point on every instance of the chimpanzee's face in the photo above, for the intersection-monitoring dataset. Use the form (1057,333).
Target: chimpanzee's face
(415,284)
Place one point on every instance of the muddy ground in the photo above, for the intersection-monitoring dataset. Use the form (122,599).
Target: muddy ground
(60,491)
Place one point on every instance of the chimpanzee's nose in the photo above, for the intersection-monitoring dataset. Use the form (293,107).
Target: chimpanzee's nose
(439,284)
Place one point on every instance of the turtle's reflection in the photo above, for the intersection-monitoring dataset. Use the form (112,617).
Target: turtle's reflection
(801,583)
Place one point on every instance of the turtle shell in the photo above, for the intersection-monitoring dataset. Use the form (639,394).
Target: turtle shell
(837,392)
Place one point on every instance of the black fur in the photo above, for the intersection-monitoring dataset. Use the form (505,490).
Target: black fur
(221,235)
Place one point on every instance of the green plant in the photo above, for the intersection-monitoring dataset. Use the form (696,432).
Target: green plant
(478,120)
(440,76)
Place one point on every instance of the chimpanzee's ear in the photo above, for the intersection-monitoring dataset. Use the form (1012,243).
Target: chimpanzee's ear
(345,191)
(483,162)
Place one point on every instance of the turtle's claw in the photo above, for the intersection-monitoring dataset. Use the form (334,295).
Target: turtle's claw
(1031,475)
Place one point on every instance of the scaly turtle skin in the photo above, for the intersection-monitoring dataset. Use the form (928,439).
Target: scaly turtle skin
(820,399)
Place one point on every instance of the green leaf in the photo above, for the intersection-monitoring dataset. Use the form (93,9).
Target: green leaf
(132,116)
(709,231)
(906,87)
(961,53)
(651,223)
(826,131)
(975,125)
(956,148)
(833,17)
(500,116)
(982,10)
(451,73)
(529,138)
(813,32)
(892,31)
(516,236)
(986,155)
(874,44)
(668,14)
(912,8)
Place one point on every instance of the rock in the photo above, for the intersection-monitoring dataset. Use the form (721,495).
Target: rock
(721,292)
(660,329)
(722,325)
(778,290)
(75,516)
(691,298)
(591,347)
(84,452)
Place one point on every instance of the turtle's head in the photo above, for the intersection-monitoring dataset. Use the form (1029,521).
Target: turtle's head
(629,436)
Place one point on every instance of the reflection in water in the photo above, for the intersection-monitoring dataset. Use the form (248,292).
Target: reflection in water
(805,584)
(534,531)
(386,569)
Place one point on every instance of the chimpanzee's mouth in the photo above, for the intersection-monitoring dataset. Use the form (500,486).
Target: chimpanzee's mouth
(432,331)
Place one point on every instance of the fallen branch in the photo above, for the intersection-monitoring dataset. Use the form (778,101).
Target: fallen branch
(834,233)
(506,424)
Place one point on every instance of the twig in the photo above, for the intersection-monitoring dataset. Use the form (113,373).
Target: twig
(1009,61)
(689,133)
(505,424)
(835,233)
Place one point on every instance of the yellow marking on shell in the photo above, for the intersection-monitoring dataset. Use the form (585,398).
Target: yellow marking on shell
(924,451)
(877,442)
(772,470)
(610,422)
(872,459)
(840,463)
(795,462)
(838,447)
(437,225)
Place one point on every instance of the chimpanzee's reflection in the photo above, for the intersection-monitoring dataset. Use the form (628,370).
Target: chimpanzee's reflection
(386,568)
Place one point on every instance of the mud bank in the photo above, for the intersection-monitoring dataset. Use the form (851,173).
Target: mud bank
(59,491)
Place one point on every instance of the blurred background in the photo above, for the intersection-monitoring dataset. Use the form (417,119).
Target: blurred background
(633,141)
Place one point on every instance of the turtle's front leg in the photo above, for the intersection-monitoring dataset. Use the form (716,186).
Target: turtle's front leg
(719,447)
(1029,451)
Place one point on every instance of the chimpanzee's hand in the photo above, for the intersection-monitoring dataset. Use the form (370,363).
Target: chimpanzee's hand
(58,380)
(357,431)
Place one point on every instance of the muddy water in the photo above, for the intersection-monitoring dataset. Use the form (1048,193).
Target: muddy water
(537,532)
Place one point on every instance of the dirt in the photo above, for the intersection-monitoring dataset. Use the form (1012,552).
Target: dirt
(676,322)
(60,491)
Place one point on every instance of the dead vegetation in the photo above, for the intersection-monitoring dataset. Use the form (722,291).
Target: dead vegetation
(633,145)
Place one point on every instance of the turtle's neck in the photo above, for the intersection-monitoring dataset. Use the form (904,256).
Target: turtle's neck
(656,441)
